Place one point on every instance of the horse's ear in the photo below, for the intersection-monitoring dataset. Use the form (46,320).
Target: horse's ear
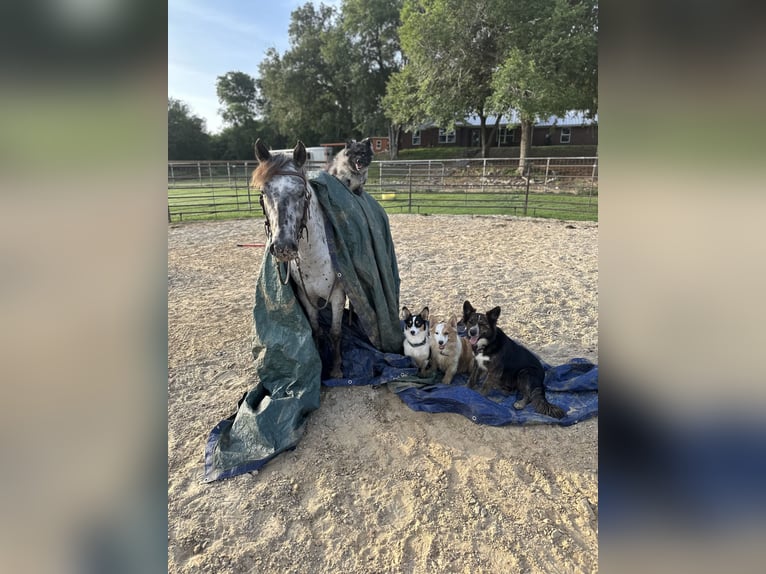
(299,154)
(261,153)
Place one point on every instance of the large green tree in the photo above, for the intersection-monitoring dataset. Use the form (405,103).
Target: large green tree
(402,106)
(549,61)
(306,93)
(453,47)
(187,138)
(373,29)
(237,94)
(490,57)
(329,84)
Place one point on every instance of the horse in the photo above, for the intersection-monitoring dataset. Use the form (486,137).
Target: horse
(291,208)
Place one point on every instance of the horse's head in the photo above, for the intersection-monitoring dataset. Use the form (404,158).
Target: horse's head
(285,196)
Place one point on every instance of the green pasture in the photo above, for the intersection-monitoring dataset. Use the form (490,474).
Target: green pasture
(205,203)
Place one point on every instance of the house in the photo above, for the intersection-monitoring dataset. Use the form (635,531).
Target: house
(573,128)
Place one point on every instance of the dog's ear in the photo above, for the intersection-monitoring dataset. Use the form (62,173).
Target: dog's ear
(424,313)
(453,321)
(261,151)
(467,310)
(493,314)
(368,143)
(349,143)
(406,313)
(299,154)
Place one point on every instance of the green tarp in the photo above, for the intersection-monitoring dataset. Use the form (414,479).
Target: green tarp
(271,416)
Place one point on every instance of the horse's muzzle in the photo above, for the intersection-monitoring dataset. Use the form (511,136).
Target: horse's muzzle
(286,251)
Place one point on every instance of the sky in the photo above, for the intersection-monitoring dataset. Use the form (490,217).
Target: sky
(208,38)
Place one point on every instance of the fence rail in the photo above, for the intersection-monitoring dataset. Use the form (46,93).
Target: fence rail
(557,187)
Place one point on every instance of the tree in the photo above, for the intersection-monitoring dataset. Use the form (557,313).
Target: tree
(453,47)
(329,84)
(550,62)
(187,138)
(402,106)
(306,93)
(237,93)
(489,57)
(372,27)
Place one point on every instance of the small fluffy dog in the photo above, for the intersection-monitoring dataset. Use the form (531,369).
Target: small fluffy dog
(509,366)
(351,164)
(416,339)
(450,353)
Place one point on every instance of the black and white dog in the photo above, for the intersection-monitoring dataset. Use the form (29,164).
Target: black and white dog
(509,366)
(417,342)
(351,164)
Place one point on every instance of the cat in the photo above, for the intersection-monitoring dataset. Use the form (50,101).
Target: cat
(350,165)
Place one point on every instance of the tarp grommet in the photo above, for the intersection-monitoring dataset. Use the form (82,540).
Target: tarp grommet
(350,382)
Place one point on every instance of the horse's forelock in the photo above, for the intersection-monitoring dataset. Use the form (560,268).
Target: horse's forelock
(266,170)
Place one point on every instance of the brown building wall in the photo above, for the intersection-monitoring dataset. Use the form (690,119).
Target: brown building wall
(579,135)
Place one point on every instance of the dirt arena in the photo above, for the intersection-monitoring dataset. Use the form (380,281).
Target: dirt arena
(374,487)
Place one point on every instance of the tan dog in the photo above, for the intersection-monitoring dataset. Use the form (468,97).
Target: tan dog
(450,353)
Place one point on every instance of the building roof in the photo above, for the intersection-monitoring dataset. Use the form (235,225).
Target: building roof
(571,118)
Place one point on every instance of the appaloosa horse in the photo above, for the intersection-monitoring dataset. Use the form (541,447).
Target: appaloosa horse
(291,207)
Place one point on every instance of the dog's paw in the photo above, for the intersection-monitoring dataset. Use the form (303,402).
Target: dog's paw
(550,410)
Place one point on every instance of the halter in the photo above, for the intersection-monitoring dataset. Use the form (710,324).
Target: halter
(285,278)
(302,224)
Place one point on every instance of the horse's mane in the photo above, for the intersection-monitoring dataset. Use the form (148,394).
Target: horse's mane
(266,169)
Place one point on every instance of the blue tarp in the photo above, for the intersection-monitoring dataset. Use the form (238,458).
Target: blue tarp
(573,386)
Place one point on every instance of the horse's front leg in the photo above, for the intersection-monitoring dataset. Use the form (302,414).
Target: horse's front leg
(312,314)
(338,301)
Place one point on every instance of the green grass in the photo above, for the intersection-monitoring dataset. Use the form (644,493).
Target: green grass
(189,204)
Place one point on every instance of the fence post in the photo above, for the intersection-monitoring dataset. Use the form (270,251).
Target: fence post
(545,181)
(172,175)
(409,178)
(592,182)
(483,173)
(199,173)
(527,167)
(247,183)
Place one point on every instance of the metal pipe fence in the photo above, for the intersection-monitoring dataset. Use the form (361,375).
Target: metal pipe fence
(557,187)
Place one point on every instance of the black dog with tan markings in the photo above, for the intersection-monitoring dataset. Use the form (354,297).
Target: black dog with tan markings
(509,366)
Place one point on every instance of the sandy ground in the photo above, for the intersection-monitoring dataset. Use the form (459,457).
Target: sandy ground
(374,486)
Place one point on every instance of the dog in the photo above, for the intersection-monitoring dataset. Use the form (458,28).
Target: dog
(450,353)
(351,164)
(508,365)
(417,341)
